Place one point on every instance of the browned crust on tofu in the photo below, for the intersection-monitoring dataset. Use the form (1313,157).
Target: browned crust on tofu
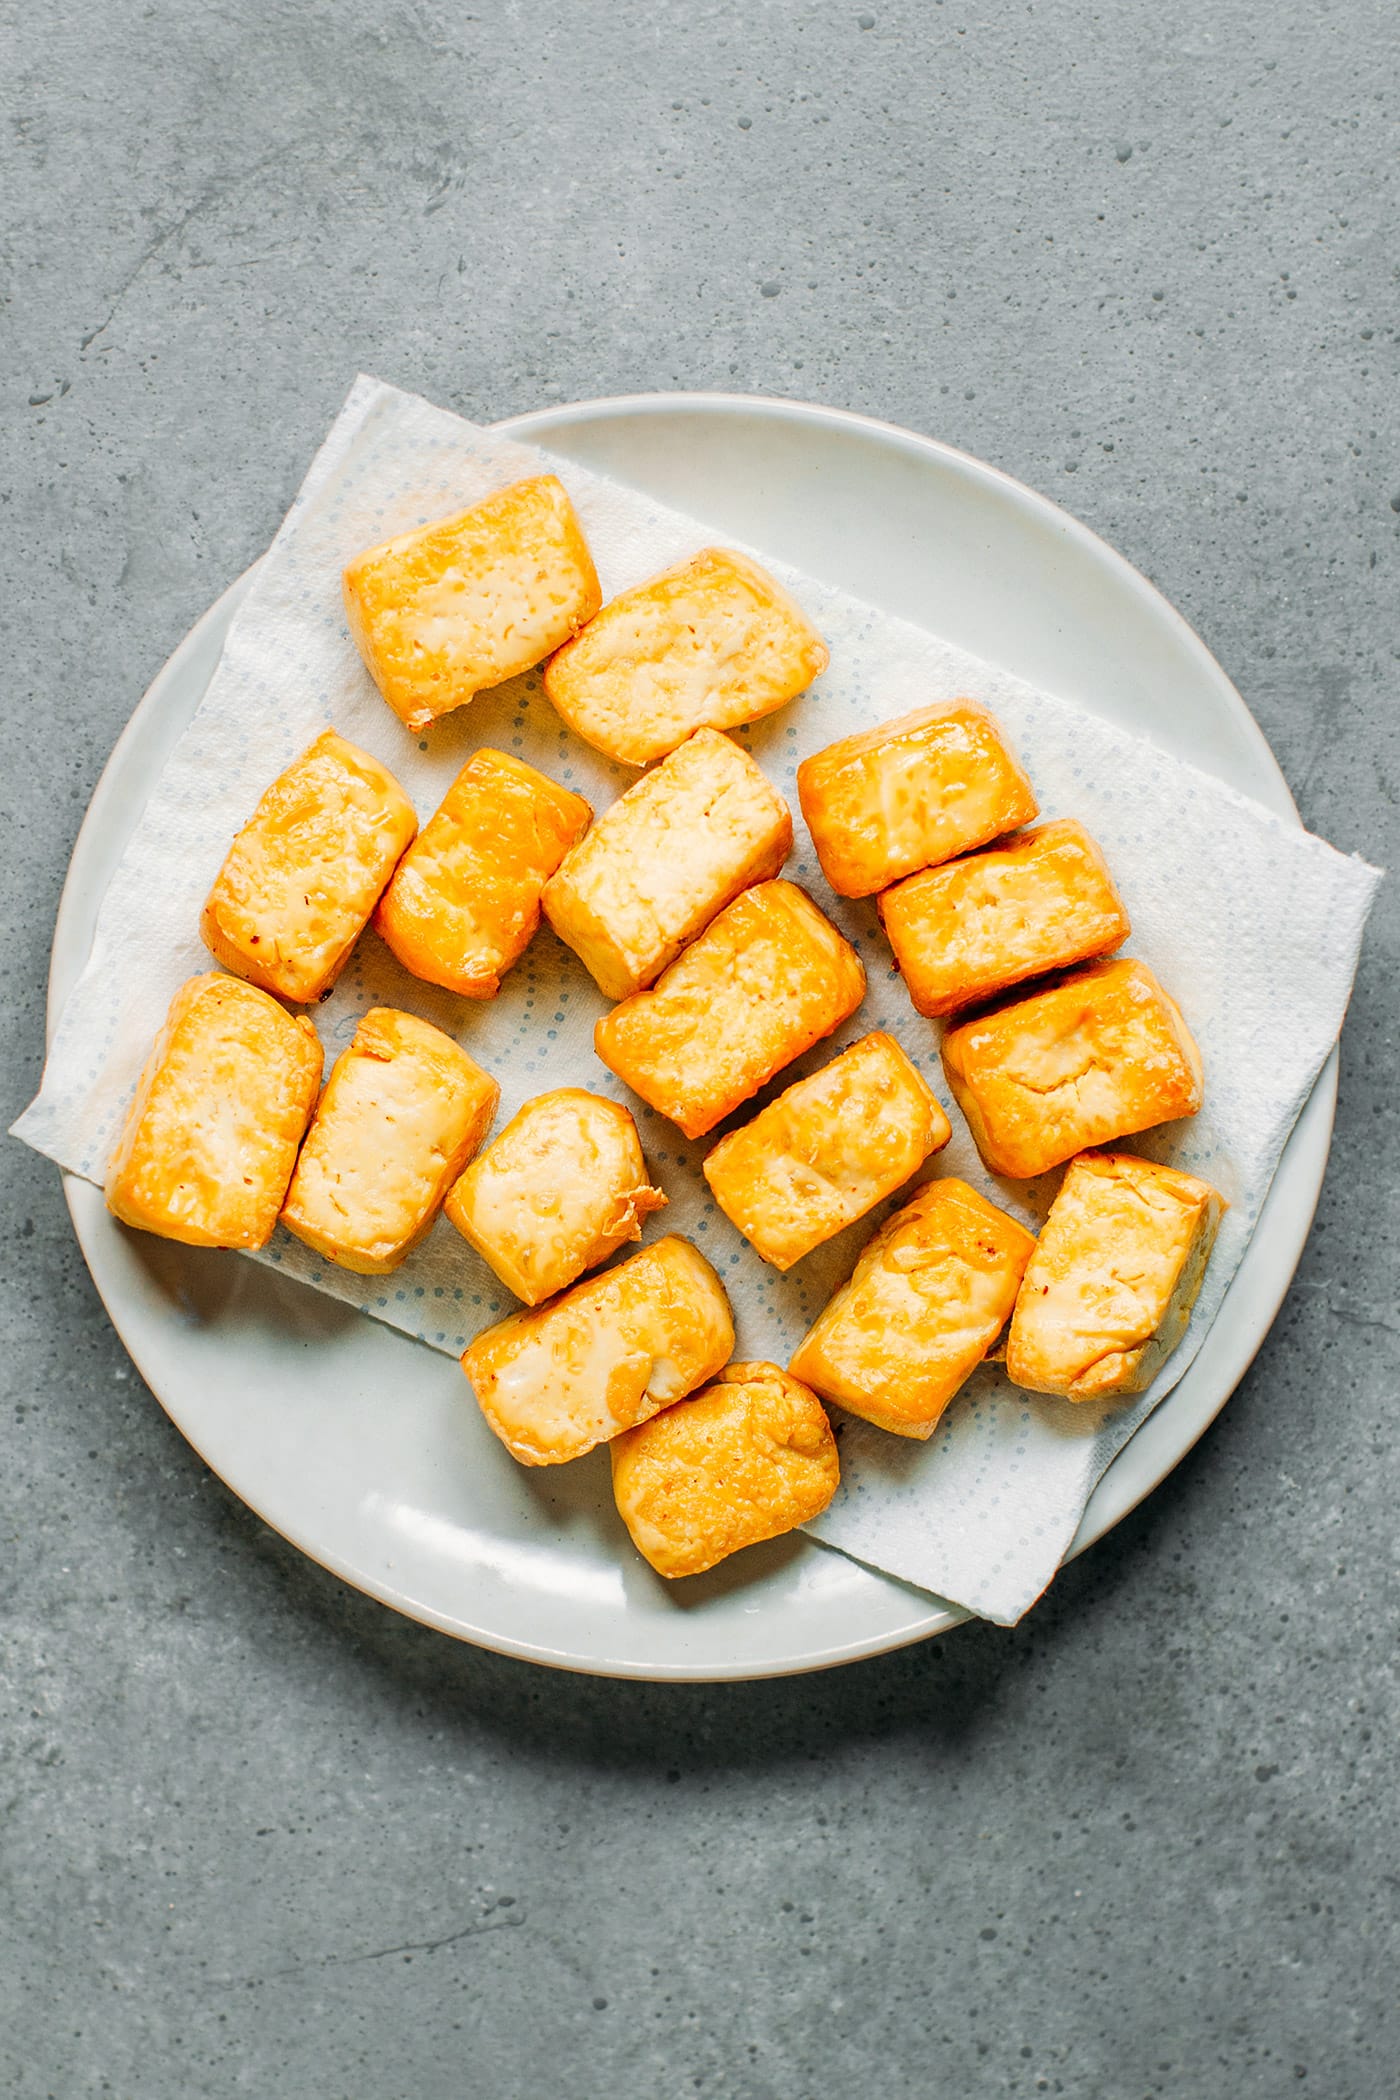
(211,1136)
(563,1187)
(767,979)
(403,1111)
(1109,1290)
(925,1302)
(669,854)
(911,793)
(1039,902)
(442,612)
(302,877)
(827,1150)
(608,1353)
(464,903)
(711,643)
(747,1459)
(1094,1058)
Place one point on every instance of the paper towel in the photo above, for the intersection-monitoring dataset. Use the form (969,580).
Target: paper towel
(1252,925)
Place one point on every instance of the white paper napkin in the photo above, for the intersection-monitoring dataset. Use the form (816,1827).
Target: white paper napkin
(1253,925)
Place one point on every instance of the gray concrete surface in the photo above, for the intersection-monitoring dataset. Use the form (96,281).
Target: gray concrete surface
(258,1836)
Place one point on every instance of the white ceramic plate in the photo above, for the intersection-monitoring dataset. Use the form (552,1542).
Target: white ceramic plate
(358,1444)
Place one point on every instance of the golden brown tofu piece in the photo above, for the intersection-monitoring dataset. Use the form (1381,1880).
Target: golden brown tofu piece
(403,1111)
(563,1187)
(465,899)
(617,1348)
(1094,1058)
(911,793)
(767,979)
(747,1459)
(299,882)
(670,853)
(1109,1290)
(925,1302)
(441,613)
(1041,902)
(710,644)
(211,1136)
(827,1151)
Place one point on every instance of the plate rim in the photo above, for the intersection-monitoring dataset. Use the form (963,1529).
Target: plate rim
(1105,1508)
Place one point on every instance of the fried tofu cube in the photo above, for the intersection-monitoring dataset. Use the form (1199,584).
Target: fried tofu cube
(766,979)
(299,882)
(669,854)
(827,1151)
(563,1187)
(710,644)
(1094,1058)
(403,1111)
(464,902)
(925,1302)
(611,1352)
(1041,902)
(747,1459)
(443,612)
(1110,1287)
(911,793)
(211,1136)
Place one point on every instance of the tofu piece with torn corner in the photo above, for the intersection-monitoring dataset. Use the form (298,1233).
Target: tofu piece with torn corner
(747,1459)
(766,979)
(211,1136)
(464,902)
(610,1353)
(1038,902)
(1101,1054)
(925,1302)
(669,854)
(708,645)
(1110,1287)
(403,1111)
(911,793)
(827,1151)
(563,1187)
(299,882)
(440,613)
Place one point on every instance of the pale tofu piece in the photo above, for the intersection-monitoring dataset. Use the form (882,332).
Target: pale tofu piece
(440,613)
(765,980)
(300,880)
(1109,1290)
(924,1304)
(563,1187)
(827,1150)
(747,1459)
(1039,902)
(464,902)
(670,853)
(611,1352)
(911,793)
(710,644)
(1094,1058)
(403,1111)
(211,1136)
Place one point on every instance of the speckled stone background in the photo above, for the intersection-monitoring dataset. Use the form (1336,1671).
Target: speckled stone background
(256,1835)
